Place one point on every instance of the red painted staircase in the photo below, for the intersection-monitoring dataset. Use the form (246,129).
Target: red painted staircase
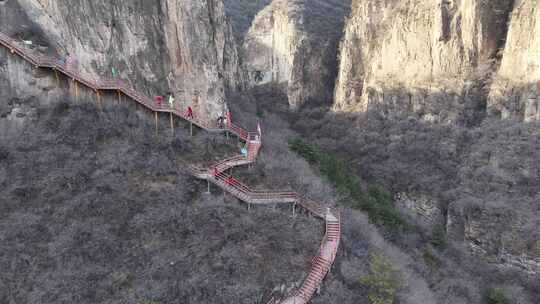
(216,174)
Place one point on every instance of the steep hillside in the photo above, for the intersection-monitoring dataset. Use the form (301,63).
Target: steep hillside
(467,196)
(96,209)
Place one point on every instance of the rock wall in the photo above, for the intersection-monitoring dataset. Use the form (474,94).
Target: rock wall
(292,47)
(516,87)
(422,209)
(181,46)
(428,57)
(20,85)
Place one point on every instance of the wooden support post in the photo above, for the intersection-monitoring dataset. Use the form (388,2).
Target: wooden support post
(191,128)
(172,124)
(119,97)
(249,206)
(57,77)
(76,90)
(208,182)
(156,118)
(227,134)
(98,99)
(294,210)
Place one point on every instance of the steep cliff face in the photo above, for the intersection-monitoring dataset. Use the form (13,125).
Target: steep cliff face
(516,87)
(291,47)
(181,46)
(429,57)
(241,13)
(20,87)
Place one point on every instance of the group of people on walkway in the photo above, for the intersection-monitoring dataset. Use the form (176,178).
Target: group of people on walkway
(221,120)
(159,102)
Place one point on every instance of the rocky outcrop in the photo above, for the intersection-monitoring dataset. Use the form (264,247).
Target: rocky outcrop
(181,46)
(515,91)
(422,209)
(428,57)
(292,47)
(22,89)
(499,234)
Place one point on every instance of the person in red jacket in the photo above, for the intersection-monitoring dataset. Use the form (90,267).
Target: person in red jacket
(159,99)
(189,112)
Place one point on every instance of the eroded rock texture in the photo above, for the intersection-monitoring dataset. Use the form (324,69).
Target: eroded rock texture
(428,57)
(181,46)
(516,89)
(291,47)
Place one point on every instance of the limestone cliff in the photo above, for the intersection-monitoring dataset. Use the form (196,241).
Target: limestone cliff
(516,88)
(181,46)
(428,57)
(291,47)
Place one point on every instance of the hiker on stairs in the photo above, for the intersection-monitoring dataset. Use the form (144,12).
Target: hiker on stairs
(244,151)
(159,100)
(221,122)
(189,113)
(230,180)
(171,100)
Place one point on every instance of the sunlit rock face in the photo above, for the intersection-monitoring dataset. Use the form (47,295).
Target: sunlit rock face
(291,47)
(184,47)
(515,92)
(433,58)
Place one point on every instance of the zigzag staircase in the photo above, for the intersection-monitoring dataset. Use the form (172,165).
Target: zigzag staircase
(217,173)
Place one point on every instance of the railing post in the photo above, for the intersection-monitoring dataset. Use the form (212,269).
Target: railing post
(294,210)
(76,90)
(208,183)
(57,77)
(98,99)
(191,128)
(172,124)
(119,97)
(156,119)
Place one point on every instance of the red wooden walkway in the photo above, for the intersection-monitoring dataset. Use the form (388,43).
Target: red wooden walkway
(217,173)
